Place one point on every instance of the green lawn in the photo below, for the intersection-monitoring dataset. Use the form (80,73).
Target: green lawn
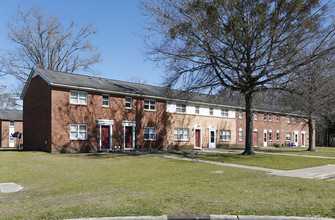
(87,185)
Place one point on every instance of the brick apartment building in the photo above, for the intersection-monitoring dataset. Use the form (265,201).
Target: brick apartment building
(66,112)
(10,122)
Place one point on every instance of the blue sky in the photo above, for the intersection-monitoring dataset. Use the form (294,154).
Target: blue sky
(117,22)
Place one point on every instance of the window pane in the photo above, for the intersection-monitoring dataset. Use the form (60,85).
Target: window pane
(82,128)
(74,135)
(74,128)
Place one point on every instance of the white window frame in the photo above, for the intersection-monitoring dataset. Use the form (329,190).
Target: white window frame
(270,136)
(225,135)
(197,109)
(265,116)
(180,108)
(224,112)
(288,119)
(105,95)
(295,120)
(130,102)
(151,131)
(255,116)
(240,114)
(78,97)
(181,134)
(278,117)
(288,136)
(270,117)
(278,137)
(78,131)
(240,134)
(150,103)
(211,111)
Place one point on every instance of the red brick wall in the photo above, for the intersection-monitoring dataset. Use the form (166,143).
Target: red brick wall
(36,115)
(64,114)
(273,125)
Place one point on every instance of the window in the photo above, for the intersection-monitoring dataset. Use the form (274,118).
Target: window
(288,119)
(240,134)
(225,135)
(211,111)
(302,120)
(265,116)
(129,102)
(181,134)
(105,100)
(224,112)
(77,97)
(11,123)
(181,108)
(270,135)
(149,133)
(150,105)
(277,118)
(270,117)
(288,136)
(78,132)
(255,115)
(277,135)
(240,114)
(197,110)
(295,120)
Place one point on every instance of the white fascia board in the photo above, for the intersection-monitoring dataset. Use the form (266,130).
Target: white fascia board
(32,74)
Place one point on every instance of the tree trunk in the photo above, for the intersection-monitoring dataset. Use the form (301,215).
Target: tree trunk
(311,132)
(249,144)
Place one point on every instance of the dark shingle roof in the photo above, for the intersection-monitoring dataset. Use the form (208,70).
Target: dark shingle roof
(16,115)
(77,81)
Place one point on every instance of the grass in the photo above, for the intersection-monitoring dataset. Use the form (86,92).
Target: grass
(90,185)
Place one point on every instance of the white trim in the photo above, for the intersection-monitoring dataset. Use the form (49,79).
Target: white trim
(240,137)
(265,138)
(210,129)
(102,96)
(78,139)
(32,74)
(129,124)
(106,122)
(83,92)
(149,139)
(197,127)
(11,140)
(149,109)
(303,133)
(131,102)
(255,130)
(296,143)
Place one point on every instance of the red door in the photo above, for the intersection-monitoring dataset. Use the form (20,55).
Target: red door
(197,138)
(104,137)
(129,137)
(255,139)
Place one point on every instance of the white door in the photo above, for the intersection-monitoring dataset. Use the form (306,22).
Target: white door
(212,138)
(296,139)
(11,132)
(265,137)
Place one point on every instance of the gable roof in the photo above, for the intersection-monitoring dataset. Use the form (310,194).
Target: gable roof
(104,85)
(16,115)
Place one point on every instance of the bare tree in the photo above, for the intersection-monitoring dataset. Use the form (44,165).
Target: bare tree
(43,42)
(247,46)
(313,92)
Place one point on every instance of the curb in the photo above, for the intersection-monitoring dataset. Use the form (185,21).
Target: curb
(207,217)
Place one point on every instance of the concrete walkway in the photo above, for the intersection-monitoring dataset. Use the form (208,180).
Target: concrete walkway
(321,172)
(260,152)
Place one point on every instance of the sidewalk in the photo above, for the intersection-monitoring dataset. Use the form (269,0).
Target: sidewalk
(321,172)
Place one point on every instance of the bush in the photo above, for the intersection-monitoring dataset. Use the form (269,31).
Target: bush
(276,145)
